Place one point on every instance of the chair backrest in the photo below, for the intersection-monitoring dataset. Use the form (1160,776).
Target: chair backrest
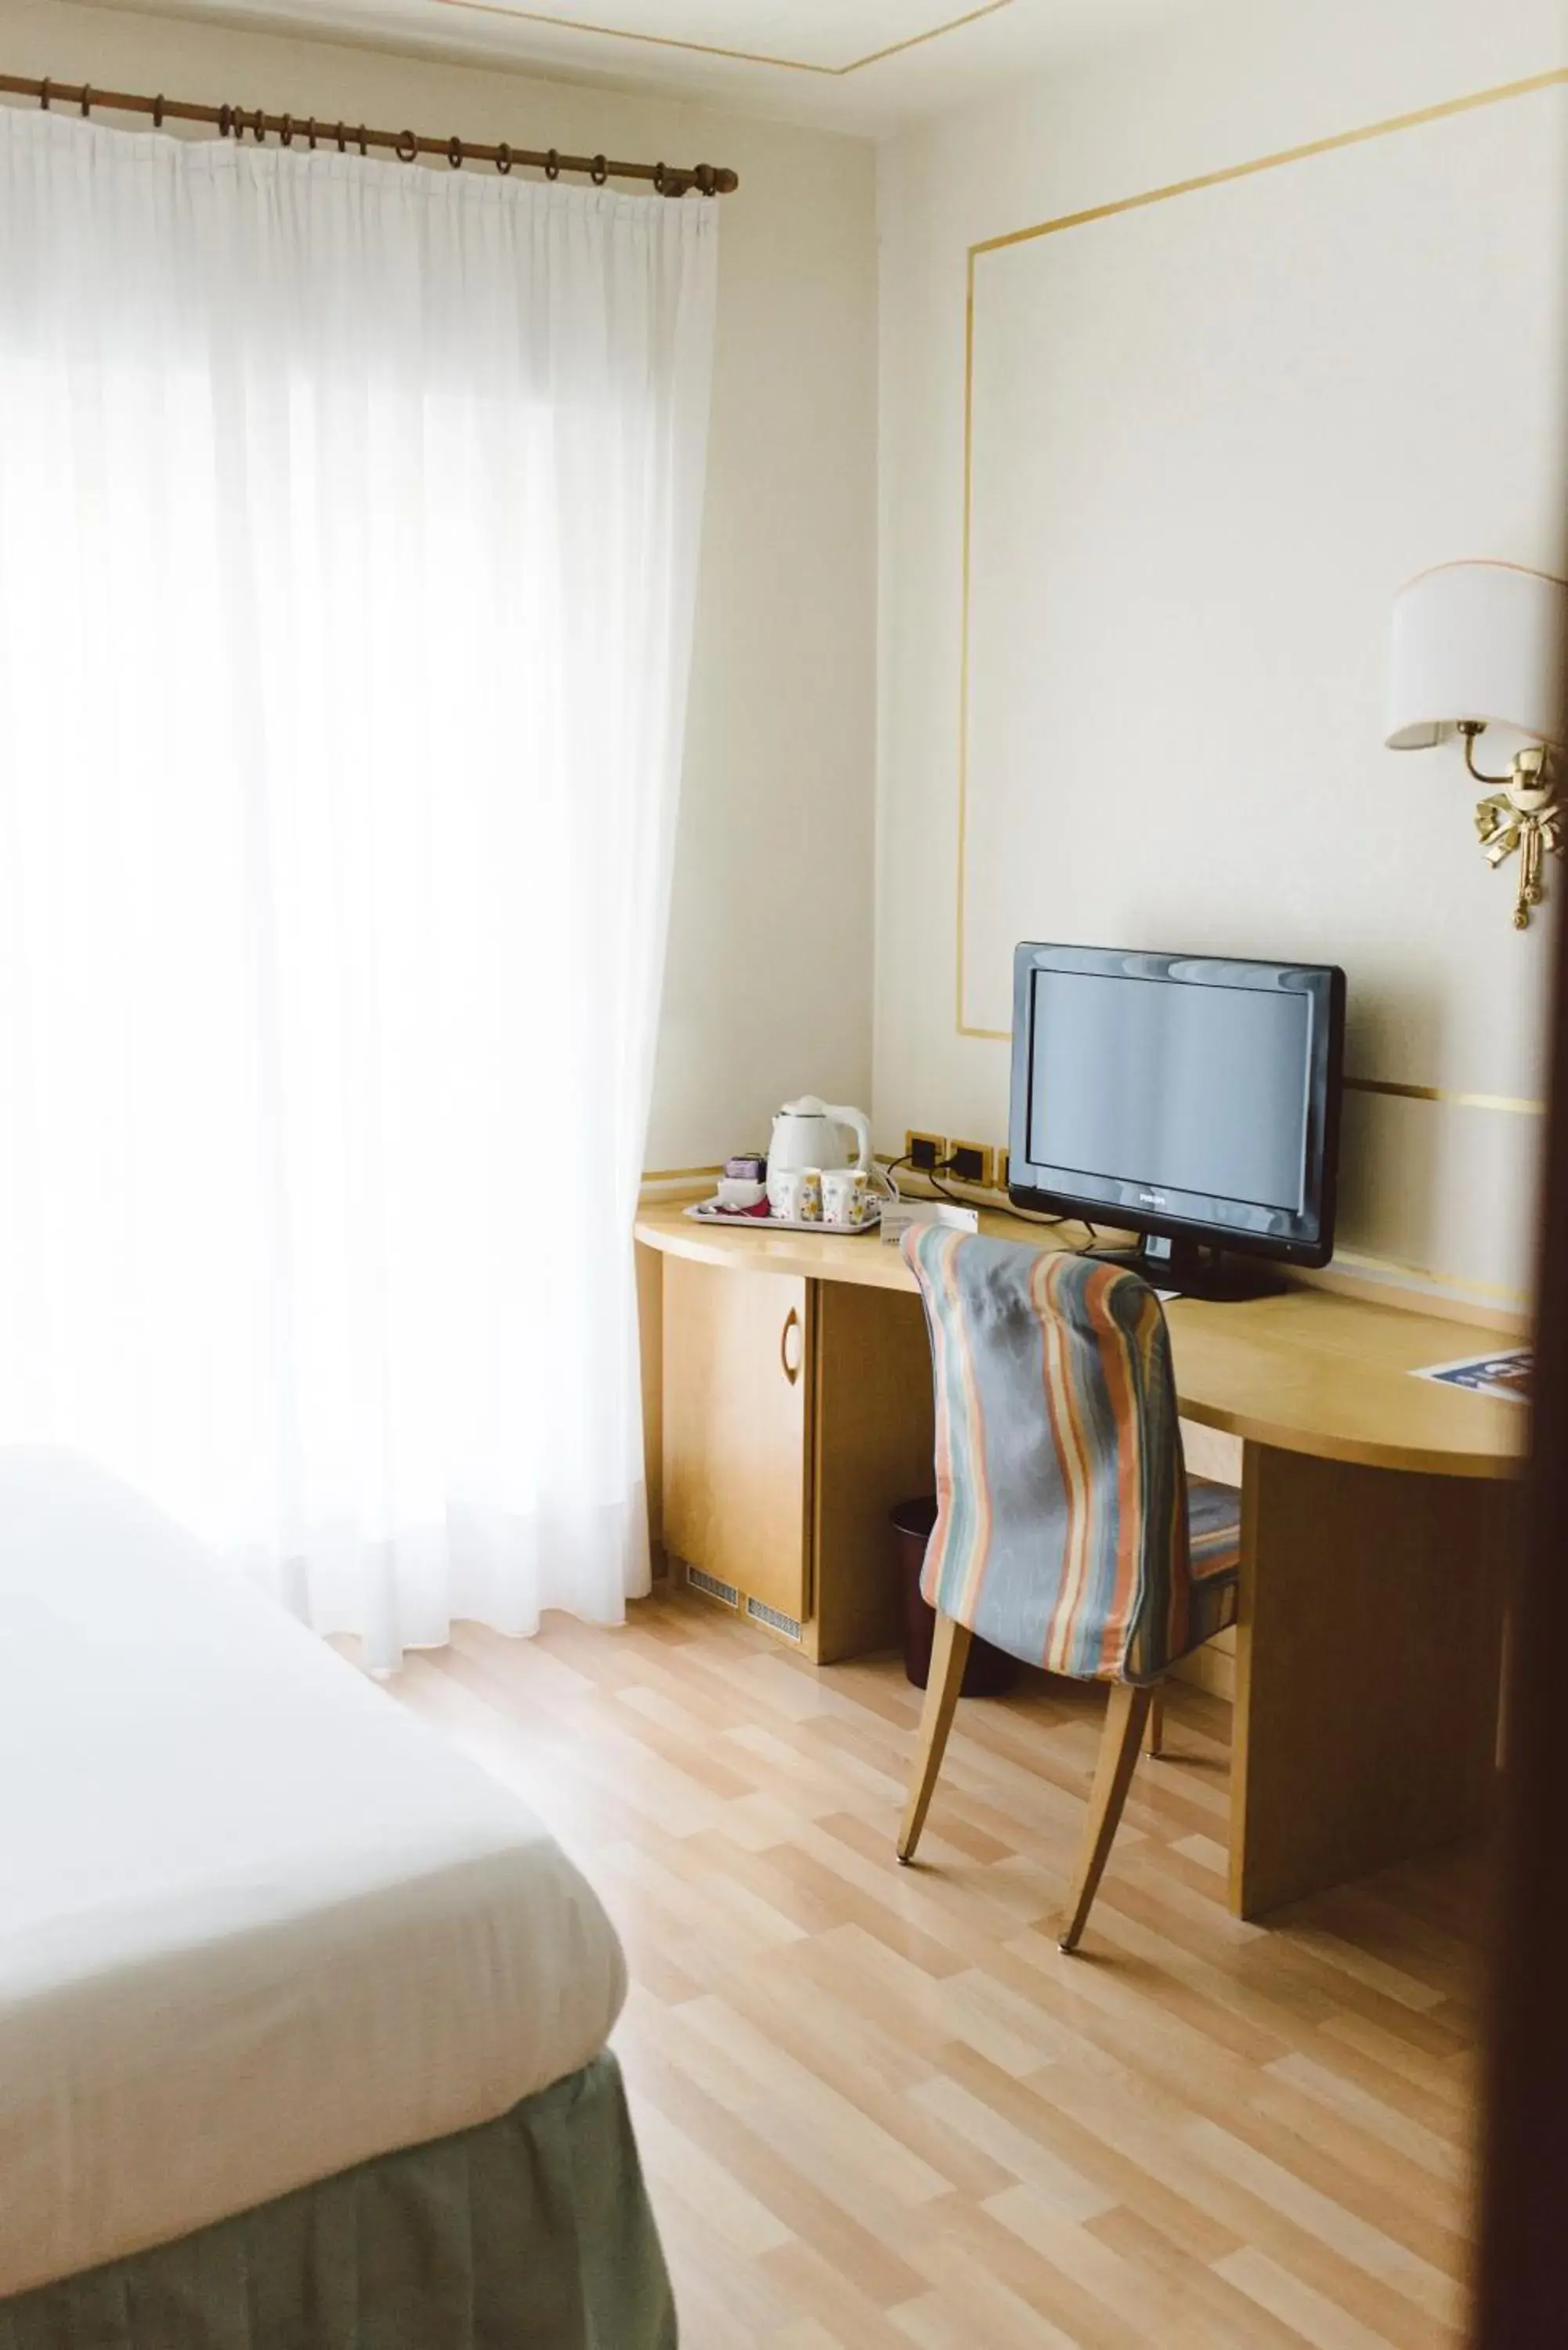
(1061,1530)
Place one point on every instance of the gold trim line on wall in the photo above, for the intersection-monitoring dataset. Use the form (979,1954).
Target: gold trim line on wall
(1517,1105)
(733,56)
(1360,1260)
(1393,1088)
(1499,95)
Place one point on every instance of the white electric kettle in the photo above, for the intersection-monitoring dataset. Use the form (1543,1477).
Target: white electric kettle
(809,1133)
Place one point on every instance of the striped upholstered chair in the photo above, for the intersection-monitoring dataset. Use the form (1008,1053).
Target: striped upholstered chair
(1067,1531)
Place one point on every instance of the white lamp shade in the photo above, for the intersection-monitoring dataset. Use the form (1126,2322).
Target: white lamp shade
(1484,640)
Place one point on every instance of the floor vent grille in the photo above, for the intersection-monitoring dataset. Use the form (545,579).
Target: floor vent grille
(774,1617)
(712,1586)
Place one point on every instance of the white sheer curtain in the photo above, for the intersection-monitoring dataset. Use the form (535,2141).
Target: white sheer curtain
(349,520)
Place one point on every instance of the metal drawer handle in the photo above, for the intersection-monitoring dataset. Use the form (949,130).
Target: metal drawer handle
(791,1370)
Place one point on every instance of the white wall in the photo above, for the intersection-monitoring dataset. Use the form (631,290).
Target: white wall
(1208,437)
(768,989)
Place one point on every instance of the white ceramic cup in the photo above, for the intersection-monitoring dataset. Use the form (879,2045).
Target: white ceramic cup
(784,1193)
(794,1195)
(844,1196)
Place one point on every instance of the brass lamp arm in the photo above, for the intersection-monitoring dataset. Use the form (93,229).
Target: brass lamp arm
(1470,728)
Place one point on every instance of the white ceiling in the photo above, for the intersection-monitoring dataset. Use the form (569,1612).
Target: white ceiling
(856,65)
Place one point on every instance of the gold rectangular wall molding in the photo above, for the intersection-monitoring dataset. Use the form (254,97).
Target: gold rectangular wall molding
(1500,94)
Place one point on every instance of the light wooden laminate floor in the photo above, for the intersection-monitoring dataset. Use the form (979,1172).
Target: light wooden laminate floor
(878,2108)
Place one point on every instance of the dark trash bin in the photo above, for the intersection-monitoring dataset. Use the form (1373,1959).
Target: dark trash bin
(990,1672)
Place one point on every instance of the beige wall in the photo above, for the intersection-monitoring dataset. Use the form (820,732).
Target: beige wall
(1208,437)
(768,988)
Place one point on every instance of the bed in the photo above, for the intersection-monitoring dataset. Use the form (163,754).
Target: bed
(303,2018)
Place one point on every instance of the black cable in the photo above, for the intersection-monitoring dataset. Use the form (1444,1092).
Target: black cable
(944,1166)
(930,1173)
(1033,1216)
(934,1173)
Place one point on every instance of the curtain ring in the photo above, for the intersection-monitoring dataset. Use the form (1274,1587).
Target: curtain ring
(342,146)
(158,111)
(407,148)
(454,153)
(44,93)
(310,133)
(503,159)
(364,146)
(552,165)
(599,170)
(659,178)
(285,130)
(258,127)
(226,119)
(87,100)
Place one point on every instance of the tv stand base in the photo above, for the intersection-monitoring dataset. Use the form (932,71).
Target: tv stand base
(1195,1271)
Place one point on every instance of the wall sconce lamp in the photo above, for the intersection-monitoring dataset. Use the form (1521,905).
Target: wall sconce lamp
(1477,645)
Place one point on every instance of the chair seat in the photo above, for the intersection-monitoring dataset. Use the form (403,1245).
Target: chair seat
(1214,1528)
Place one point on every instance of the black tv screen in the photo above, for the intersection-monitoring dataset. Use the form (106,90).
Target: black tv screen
(1183,1094)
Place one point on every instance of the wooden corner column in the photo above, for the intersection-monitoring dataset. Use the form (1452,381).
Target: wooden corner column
(1368,1663)
(874,1443)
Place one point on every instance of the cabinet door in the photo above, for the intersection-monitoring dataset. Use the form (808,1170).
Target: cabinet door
(737,1381)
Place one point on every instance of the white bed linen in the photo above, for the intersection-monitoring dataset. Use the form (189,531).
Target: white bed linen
(256,1925)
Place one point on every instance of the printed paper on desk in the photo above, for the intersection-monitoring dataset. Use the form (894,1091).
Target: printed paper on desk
(899,1215)
(1511,1374)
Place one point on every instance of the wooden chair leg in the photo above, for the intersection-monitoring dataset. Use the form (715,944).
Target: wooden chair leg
(1154,1728)
(949,1654)
(1125,1716)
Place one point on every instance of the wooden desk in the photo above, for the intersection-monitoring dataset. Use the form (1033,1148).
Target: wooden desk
(1376,1513)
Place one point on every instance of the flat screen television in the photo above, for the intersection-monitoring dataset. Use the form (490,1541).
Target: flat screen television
(1188,1098)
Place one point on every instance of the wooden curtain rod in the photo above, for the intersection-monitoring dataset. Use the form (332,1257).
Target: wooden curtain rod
(242,121)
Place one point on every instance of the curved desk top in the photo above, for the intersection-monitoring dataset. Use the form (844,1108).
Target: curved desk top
(1306,1371)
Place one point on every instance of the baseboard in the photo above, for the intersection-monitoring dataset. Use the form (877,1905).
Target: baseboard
(1211,1667)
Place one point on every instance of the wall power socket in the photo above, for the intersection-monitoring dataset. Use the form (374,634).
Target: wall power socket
(972,1162)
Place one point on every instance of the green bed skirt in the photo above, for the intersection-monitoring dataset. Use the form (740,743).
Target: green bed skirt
(532,2233)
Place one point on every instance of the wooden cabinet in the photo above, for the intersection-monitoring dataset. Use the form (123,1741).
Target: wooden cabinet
(738,1372)
(797,1413)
